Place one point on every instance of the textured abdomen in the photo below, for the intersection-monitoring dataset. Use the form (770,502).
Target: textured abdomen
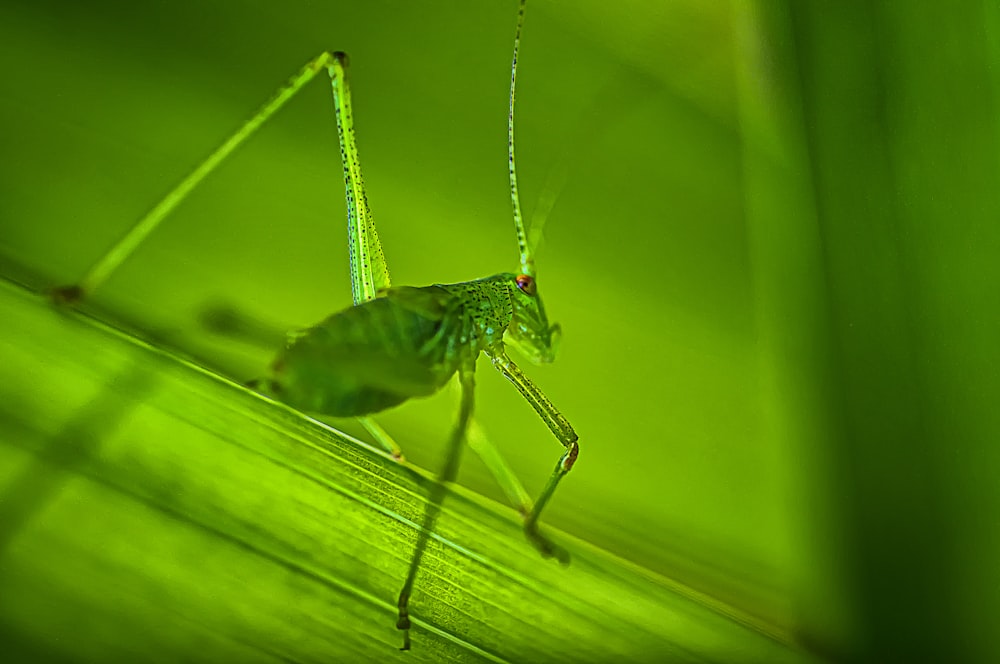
(372,356)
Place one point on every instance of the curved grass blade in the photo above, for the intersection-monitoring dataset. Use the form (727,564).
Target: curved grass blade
(151,510)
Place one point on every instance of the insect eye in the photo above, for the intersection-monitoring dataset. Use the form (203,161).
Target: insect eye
(526,283)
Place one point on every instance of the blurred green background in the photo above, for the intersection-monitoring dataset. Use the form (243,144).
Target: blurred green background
(774,259)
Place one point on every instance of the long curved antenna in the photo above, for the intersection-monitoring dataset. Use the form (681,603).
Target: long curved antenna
(554,184)
(527,260)
(572,153)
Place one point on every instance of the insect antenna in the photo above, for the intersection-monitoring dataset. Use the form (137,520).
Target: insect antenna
(527,258)
(554,184)
(573,142)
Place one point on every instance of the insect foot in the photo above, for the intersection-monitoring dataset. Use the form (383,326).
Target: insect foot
(545,546)
(403,622)
(66,296)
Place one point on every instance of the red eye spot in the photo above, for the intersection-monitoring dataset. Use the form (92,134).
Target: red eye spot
(526,283)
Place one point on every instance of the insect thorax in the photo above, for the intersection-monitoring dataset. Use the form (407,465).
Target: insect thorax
(486,309)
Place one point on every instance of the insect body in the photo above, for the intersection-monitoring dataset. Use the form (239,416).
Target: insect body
(397,343)
(407,343)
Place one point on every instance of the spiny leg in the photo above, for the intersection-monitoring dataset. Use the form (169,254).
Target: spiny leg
(129,242)
(560,428)
(448,473)
(480,443)
(369,272)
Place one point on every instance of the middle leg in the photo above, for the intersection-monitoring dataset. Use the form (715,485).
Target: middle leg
(453,456)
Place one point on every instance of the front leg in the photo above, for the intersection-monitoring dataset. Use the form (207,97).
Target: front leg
(560,428)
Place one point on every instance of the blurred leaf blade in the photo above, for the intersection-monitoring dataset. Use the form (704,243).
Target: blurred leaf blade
(900,123)
(156,511)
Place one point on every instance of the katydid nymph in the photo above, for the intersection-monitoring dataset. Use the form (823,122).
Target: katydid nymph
(397,343)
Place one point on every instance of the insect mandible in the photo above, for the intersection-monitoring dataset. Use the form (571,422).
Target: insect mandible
(396,343)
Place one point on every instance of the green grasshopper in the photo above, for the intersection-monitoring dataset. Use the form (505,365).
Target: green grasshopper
(397,343)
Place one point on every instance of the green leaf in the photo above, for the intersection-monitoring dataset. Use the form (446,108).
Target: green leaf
(155,511)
